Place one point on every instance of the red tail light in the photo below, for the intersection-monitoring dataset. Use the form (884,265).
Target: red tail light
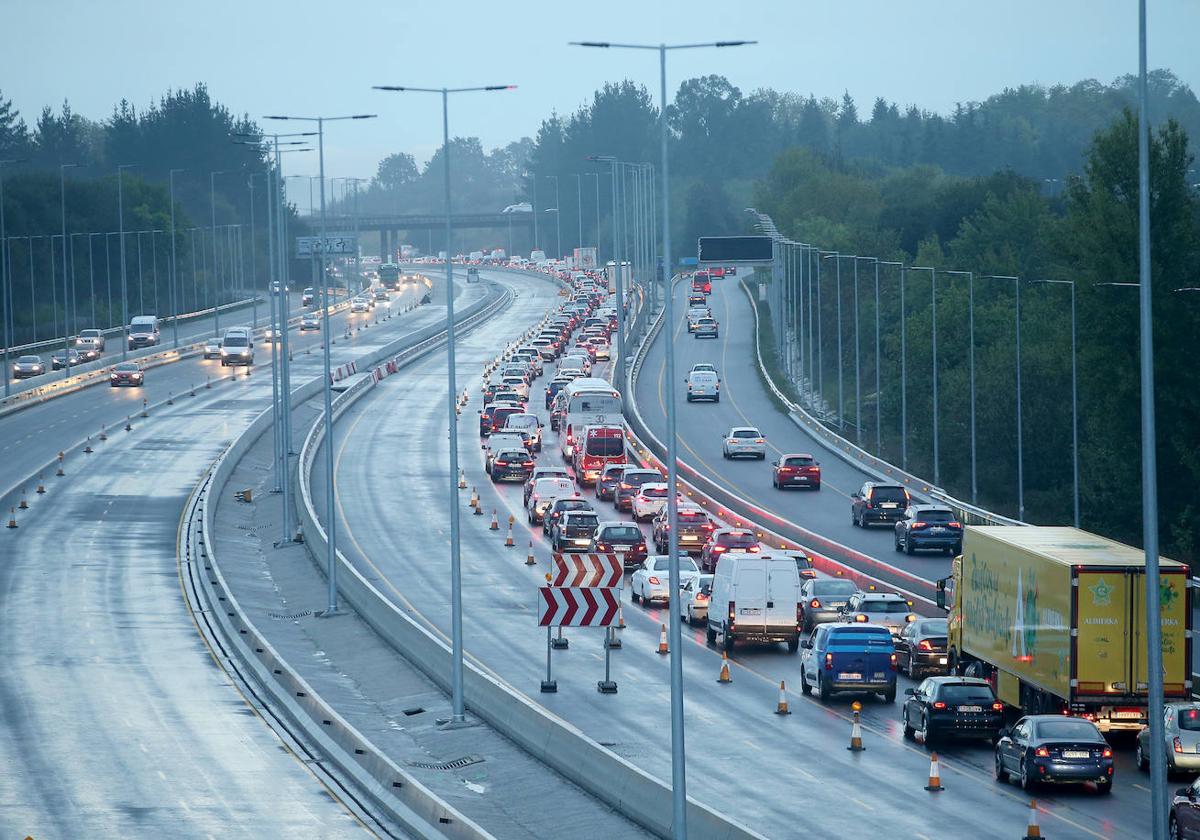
(924,645)
(997,707)
(1042,752)
(500,464)
(893,661)
(654,580)
(815,604)
(787,470)
(529,464)
(1108,750)
(829,662)
(920,524)
(603,547)
(938,704)
(954,525)
(640,547)
(732,615)
(812,469)
(717,549)
(1178,748)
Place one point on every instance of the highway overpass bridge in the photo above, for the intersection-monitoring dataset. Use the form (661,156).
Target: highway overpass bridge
(389,225)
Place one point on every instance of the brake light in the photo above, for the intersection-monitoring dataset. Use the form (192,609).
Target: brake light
(938,704)
(732,614)
(829,662)
(500,464)
(920,524)
(1178,748)
(603,546)
(1108,750)
(709,526)
(954,525)
(759,440)
(1042,752)
(529,464)
(997,707)
(717,549)
(654,580)
(754,549)
(910,618)
(815,604)
(924,645)
(862,619)
(786,470)
(892,660)
(640,547)
(701,597)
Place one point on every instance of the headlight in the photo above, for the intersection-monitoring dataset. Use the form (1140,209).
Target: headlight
(224,352)
(113,376)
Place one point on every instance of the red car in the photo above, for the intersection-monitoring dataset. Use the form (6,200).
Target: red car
(796,470)
(717,272)
(723,540)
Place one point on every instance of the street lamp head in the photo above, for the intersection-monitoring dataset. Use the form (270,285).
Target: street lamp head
(500,87)
(734,43)
(364,116)
(600,44)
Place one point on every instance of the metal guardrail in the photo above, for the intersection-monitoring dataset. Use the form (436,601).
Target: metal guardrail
(860,458)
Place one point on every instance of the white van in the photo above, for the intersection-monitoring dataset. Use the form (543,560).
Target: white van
(143,331)
(703,385)
(755,598)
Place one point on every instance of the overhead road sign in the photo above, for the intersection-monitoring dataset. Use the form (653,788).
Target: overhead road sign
(310,246)
(736,250)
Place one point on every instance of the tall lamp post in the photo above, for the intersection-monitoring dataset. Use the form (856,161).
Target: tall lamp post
(6,286)
(458,710)
(557,225)
(331,608)
(121,167)
(62,206)
(678,775)
(579,209)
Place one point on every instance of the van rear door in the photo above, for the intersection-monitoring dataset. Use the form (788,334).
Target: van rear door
(783,595)
(749,595)
(861,654)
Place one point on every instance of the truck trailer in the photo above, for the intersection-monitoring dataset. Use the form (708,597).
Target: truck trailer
(1056,618)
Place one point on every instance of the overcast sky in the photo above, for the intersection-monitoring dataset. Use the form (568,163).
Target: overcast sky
(304,57)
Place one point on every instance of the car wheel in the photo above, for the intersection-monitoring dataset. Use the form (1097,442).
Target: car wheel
(927,736)
(1104,788)
(710,635)
(817,487)
(912,667)
(909,548)
(633,596)
(909,732)
(717,398)
(762,456)
(1140,756)
(898,547)
(1001,773)
(1173,828)
(823,689)
(728,641)
(805,688)
(854,518)
(1026,781)
(774,483)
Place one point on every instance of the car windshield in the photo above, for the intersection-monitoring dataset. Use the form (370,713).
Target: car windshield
(1189,720)
(881,606)
(834,588)
(960,693)
(639,478)
(521,421)
(888,494)
(30,360)
(622,532)
(613,471)
(127,367)
(235,341)
(1069,728)
(691,516)
(863,635)
(511,455)
(799,461)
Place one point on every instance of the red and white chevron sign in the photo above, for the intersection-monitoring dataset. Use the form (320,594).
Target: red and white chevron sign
(587,570)
(577,606)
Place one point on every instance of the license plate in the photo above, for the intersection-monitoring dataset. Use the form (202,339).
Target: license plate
(837,604)
(889,505)
(970,708)
(937,530)
(750,611)
(582,542)
(687,538)
(849,675)
(1130,715)
(941,660)
(1076,754)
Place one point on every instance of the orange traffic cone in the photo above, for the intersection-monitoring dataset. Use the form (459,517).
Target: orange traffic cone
(620,618)
(529,559)
(24,504)
(12,518)
(508,541)
(1034,831)
(495,526)
(462,480)
(856,744)
(475,502)
(724,677)
(781,708)
(662,641)
(41,488)
(87,450)
(935,774)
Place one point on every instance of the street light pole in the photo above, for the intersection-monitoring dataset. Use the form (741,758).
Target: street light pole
(458,705)
(971,357)
(62,203)
(579,208)
(212,181)
(121,167)
(174,265)
(678,773)
(933,312)
(6,294)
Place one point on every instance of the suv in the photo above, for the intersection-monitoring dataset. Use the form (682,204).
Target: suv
(941,706)
(883,608)
(574,529)
(796,470)
(560,506)
(876,502)
(929,526)
(694,528)
(706,327)
(91,338)
(511,463)
(237,348)
(307,297)
(622,539)
(607,481)
(725,540)
(632,479)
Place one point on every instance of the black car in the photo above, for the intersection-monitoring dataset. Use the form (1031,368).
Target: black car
(623,539)
(1044,749)
(59,361)
(876,502)
(929,526)
(511,463)
(607,481)
(1184,820)
(574,530)
(941,707)
(921,647)
(632,478)
(560,507)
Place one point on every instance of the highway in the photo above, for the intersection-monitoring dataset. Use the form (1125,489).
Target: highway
(116,720)
(701,427)
(781,775)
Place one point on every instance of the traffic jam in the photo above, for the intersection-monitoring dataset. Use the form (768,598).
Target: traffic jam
(942,671)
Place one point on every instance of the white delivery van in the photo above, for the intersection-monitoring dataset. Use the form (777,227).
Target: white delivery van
(755,598)
(143,331)
(703,385)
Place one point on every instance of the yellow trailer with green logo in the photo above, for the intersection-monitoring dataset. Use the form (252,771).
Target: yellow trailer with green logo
(1056,618)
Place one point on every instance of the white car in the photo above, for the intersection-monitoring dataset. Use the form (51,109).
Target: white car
(359,305)
(543,493)
(694,596)
(603,348)
(741,441)
(695,314)
(650,500)
(516,383)
(651,582)
(310,322)
(212,348)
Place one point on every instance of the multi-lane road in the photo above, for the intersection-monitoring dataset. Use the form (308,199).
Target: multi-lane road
(780,775)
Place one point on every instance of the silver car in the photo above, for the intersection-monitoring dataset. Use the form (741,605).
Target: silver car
(28,366)
(886,608)
(706,328)
(822,601)
(1181,731)
(212,348)
(742,441)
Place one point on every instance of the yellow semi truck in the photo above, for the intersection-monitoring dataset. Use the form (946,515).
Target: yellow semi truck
(1056,618)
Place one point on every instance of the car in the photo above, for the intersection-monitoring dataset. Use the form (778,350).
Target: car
(127,373)
(506,394)
(822,600)
(553,387)
(741,441)
(509,463)
(731,271)
(602,348)
(212,348)
(878,502)
(694,527)
(27,366)
(840,658)
(929,526)
(1181,732)
(237,349)
(307,297)
(515,382)
(85,350)
(651,581)
(940,707)
(694,315)
(271,335)
(703,385)
(93,338)
(501,411)
(574,529)
(921,647)
(706,328)
(649,501)
(542,496)
(310,322)
(1183,820)
(560,506)
(724,540)
(797,469)
(489,391)
(1053,749)
(543,471)
(381,295)
(632,478)
(527,425)
(359,305)
(622,539)
(697,299)
(884,608)
(694,596)
(499,441)
(65,359)
(804,563)
(558,410)
(607,481)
